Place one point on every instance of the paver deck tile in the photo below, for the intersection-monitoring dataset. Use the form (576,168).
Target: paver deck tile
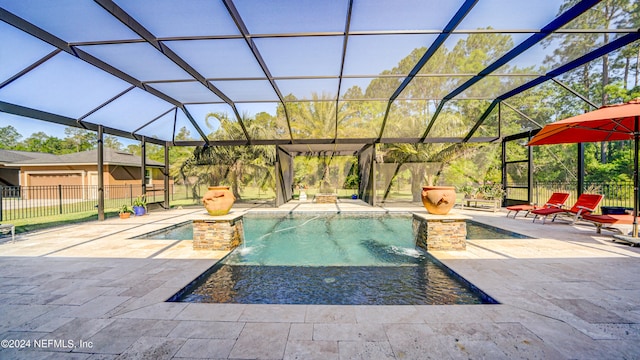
(565,293)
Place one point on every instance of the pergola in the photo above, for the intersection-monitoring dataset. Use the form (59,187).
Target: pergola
(145,69)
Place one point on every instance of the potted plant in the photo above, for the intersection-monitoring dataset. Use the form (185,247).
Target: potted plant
(491,191)
(140,205)
(438,200)
(218,200)
(125,211)
(468,191)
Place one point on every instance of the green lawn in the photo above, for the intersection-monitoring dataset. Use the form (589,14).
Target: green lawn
(48,216)
(24,225)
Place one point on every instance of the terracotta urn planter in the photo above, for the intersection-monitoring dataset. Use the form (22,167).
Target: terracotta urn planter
(218,200)
(438,200)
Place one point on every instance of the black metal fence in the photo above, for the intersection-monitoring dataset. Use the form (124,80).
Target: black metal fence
(24,202)
(618,194)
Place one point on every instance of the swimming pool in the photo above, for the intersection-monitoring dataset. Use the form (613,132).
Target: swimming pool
(330,259)
(475,230)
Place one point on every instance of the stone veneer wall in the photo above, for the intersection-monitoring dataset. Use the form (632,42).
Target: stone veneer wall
(440,233)
(326,198)
(217,234)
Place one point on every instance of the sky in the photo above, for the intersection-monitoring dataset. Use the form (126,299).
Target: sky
(26,126)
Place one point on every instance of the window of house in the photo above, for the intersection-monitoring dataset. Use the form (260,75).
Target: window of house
(147,177)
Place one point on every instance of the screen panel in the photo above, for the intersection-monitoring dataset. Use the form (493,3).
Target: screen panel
(293,16)
(71,21)
(219,58)
(247,90)
(302,56)
(130,111)
(217,121)
(408,118)
(169,18)
(63,85)
(312,119)
(457,118)
(264,120)
(376,15)
(140,60)
(360,119)
(388,54)
(20,50)
(187,91)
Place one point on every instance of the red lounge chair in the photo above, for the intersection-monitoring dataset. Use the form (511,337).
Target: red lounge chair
(610,222)
(556,200)
(586,204)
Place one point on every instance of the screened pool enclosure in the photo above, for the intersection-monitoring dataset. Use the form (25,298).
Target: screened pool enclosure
(355,78)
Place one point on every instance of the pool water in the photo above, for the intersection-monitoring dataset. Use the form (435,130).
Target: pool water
(330,259)
(475,230)
(327,240)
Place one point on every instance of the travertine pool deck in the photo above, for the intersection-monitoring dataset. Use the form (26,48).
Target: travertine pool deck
(89,292)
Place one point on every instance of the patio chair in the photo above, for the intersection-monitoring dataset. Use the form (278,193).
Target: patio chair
(614,222)
(586,204)
(556,200)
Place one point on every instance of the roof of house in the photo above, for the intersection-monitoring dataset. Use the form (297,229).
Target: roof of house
(90,157)
(13,156)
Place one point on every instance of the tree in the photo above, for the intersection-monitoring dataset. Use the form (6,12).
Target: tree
(228,165)
(178,155)
(422,156)
(112,142)
(604,80)
(79,140)
(314,119)
(408,118)
(9,137)
(41,142)
(317,120)
(134,149)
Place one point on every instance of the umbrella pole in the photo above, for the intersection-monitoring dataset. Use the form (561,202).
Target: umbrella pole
(636,146)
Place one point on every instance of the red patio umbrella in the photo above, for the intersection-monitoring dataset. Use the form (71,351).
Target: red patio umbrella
(608,123)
